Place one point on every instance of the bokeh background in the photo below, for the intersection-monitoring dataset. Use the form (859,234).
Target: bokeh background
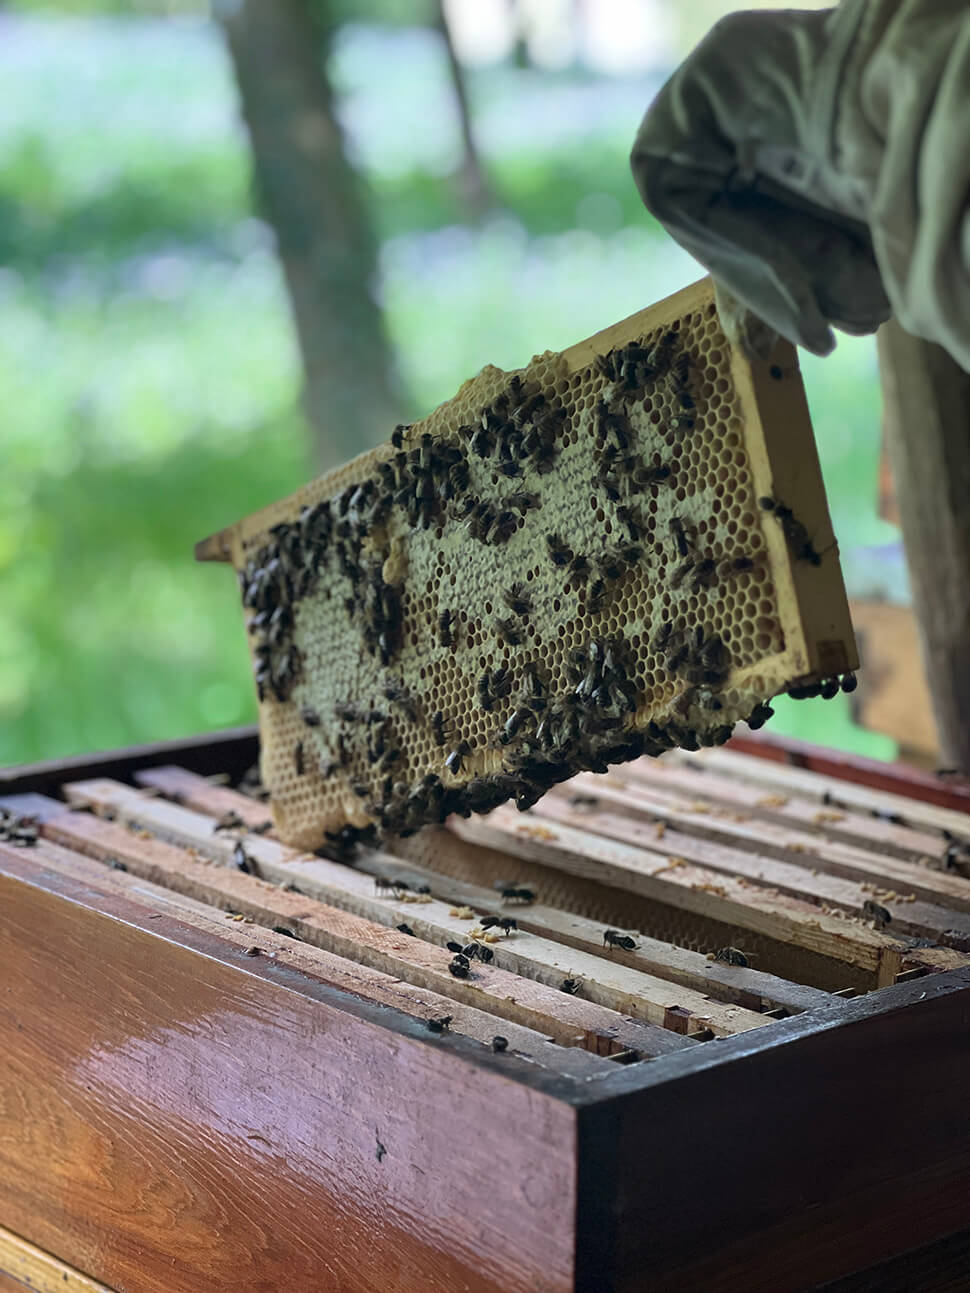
(150,366)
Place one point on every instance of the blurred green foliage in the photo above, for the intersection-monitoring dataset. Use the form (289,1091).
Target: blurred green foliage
(148,373)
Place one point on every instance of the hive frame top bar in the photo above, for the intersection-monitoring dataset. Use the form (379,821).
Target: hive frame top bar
(770,418)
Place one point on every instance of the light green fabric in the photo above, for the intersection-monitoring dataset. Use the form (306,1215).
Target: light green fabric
(818,163)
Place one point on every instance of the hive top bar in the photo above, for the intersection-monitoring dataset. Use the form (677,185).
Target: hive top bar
(615,550)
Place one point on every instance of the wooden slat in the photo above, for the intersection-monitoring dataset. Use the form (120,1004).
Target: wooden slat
(624,820)
(525,1000)
(177,1122)
(632,991)
(743,986)
(683,773)
(189,789)
(784,778)
(325,967)
(698,889)
(39,1271)
(900,778)
(768,840)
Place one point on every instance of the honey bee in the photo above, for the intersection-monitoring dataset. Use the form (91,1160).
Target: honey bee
(515,893)
(879,915)
(346,711)
(613,938)
(398,694)
(456,758)
(736,565)
(505,923)
(502,527)
(596,596)
(679,530)
(661,356)
(523,502)
(439,728)
(560,553)
(518,600)
(484,691)
(508,632)
(446,636)
(627,517)
(299,762)
(731,956)
(759,716)
(309,716)
(514,724)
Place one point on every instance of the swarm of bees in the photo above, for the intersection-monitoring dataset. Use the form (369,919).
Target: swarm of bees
(534,712)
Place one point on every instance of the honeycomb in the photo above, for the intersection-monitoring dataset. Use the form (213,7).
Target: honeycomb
(617,549)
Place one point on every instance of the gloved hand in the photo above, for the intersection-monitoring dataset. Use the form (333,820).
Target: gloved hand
(818,164)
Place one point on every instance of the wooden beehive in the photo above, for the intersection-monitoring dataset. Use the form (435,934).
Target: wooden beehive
(227,1064)
(618,549)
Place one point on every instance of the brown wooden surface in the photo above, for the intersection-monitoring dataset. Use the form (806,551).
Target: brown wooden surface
(936,1268)
(229,753)
(181,1121)
(897,778)
(926,414)
(816,1150)
(892,696)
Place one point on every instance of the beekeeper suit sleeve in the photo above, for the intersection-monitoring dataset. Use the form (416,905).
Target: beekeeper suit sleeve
(818,164)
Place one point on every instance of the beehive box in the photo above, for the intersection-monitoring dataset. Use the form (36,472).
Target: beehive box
(226,1064)
(618,549)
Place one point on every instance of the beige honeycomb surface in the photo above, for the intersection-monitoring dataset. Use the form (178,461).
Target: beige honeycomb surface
(780,618)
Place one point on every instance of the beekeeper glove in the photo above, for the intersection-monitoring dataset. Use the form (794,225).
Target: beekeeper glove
(818,164)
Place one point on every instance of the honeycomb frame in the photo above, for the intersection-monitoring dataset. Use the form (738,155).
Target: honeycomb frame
(703,578)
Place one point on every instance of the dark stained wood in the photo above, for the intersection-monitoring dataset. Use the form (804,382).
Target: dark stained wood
(179,1118)
(937,1268)
(897,778)
(231,752)
(794,1154)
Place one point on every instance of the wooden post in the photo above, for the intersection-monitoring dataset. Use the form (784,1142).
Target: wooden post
(927,423)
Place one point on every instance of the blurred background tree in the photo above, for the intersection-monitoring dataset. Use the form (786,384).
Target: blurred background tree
(452,202)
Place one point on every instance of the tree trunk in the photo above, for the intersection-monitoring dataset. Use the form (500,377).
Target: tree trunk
(312,197)
(474,187)
(927,423)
